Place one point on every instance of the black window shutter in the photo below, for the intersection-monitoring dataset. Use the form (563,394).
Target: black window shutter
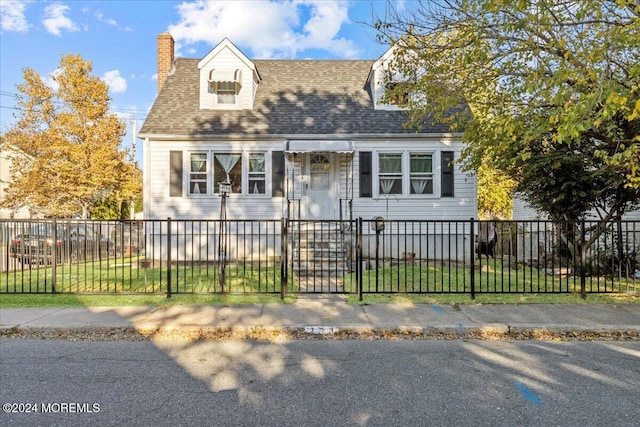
(277,174)
(446,162)
(175,174)
(366,176)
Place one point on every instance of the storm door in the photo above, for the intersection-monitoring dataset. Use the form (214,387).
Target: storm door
(320,196)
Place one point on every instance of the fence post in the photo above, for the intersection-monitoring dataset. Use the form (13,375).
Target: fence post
(359,259)
(583,273)
(472,252)
(169,257)
(54,255)
(284,257)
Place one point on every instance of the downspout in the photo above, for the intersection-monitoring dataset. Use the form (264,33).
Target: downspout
(146,197)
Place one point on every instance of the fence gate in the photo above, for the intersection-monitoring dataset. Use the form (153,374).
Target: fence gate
(320,254)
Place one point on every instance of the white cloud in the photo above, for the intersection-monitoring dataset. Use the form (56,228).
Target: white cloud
(55,20)
(109,21)
(324,25)
(112,79)
(115,81)
(269,29)
(12,16)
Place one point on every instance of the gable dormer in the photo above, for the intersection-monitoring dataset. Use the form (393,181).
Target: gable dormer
(382,79)
(228,79)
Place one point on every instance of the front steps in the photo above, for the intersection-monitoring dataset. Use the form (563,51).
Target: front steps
(320,248)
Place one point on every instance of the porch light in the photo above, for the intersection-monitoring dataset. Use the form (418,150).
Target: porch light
(224,189)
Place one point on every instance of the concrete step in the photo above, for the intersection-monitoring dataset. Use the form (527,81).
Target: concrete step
(318,249)
(305,226)
(319,246)
(318,257)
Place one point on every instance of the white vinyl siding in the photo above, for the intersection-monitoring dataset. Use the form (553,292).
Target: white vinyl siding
(461,207)
(158,204)
(247,205)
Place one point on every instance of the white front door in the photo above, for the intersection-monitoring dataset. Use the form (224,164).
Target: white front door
(320,198)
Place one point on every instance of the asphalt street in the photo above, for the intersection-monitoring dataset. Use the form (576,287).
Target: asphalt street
(319,383)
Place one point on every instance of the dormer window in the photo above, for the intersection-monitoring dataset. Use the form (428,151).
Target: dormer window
(226,93)
(225,84)
(399,94)
(228,79)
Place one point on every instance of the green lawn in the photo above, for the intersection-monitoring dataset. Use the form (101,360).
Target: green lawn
(492,282)
(124,281)
(129,275)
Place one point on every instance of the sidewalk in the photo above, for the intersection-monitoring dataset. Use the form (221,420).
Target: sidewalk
(331,314)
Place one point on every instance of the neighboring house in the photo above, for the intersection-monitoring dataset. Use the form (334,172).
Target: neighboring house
(304,139)
(6,153)
(539,235)
(522,211)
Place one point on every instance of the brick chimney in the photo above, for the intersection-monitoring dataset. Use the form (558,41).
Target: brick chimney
(165,57)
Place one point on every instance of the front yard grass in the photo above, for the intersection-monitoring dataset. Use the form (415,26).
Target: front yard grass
(493,283)
(133,275)
(130,281)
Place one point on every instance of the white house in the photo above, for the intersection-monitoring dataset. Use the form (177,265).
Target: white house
(297,139)
(304,139)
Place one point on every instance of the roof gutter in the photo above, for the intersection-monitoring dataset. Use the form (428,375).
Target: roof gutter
(280,137)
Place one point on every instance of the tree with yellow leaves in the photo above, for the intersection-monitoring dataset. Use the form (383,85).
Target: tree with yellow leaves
(69,144)
(552,90)
(552,97)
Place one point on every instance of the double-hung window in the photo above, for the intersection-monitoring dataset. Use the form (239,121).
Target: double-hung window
(421,173)
(257,173)
(406,173)
(198,172)
(390,173)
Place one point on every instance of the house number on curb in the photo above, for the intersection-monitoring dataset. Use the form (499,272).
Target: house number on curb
(320,330)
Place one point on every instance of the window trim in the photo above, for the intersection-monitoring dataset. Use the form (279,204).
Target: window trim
(248,174)
(189,173)
(432,174)
(210,172)
(391,174)
(406,174)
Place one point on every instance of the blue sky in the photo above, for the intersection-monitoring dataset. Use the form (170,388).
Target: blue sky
(119,38)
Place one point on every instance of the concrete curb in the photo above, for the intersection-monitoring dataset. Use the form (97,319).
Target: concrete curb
(198,333)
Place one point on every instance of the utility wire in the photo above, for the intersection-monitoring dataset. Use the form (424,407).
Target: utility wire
(135,114)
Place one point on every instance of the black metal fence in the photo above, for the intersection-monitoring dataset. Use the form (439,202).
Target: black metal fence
(299,256)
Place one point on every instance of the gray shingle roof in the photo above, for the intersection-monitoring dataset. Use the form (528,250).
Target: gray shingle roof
(311,97)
